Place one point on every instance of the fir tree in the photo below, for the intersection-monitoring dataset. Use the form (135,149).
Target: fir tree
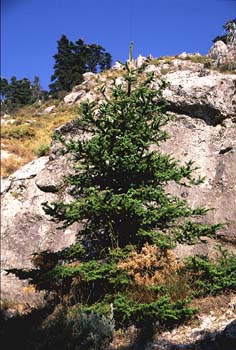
(20,92)
(119,190)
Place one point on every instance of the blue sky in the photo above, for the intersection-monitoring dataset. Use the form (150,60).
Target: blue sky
(30,29)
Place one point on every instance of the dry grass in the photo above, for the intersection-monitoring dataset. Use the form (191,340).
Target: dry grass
(152,266)
(217,304)
(163,59)
(30,136)
(11,164)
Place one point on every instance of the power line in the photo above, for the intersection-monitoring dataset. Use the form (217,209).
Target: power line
(131,13)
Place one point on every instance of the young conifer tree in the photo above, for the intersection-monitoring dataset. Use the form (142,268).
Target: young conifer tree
(119,194)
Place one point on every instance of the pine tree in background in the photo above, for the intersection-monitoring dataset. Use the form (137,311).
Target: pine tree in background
(63,68)
(36,89)
(72,61)
(3,87)
(3,93)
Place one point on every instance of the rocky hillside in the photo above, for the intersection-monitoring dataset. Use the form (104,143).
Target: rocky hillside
(202,97)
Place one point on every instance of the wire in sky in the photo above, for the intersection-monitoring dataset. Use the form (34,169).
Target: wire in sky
(131,16)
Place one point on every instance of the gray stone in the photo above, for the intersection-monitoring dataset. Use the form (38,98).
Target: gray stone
(119,81)
(117,66)
(29,170)
(7,121)
(51,178)
(25,226)
(183,55)
(193,139)
(223,55)
(211,97)
(5,154)
(72,97)
(49,109)
(140,61)
(89,76)
(5,185)
(227,338)
(218,51)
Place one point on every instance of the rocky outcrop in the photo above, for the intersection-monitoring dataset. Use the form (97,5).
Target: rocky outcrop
(218,52)
(204,129)
(213,148)
(25,227)
(223,55)
(208,95)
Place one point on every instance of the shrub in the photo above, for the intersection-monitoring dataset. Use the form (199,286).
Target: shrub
(212,277)
(151,266)
(90,331)
(18,132)
(228,67)
(42,150)
(77,331)
(127,311)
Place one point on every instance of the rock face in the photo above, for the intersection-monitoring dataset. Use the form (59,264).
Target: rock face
(204,130)
(25,227)
(213,148)
(218,51)
(223,55)
(207,95)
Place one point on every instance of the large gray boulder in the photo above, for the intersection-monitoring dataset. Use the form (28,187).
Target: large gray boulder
(25,227)
(223,55)
(208,95)
(218,51)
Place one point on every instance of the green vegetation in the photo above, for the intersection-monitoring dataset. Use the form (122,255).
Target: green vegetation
(72,60)
(19,92)
(18,132)
(209,277)
(42,150)
(74,330)
(159,60)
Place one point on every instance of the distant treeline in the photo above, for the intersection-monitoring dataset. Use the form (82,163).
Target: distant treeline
(72,60)
(16,93)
